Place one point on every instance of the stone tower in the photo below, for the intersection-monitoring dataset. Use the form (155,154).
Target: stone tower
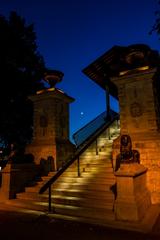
(51,123)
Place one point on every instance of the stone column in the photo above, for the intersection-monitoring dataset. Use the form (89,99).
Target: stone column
(140,118)
(133,197)
(7,188)
(51,127)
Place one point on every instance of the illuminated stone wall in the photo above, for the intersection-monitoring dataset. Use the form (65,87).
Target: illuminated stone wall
(139,118)
(51,127)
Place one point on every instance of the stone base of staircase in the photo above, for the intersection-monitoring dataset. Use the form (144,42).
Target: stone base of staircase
(88,198)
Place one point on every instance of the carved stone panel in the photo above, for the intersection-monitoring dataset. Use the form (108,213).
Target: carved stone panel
(43,121)
(136,109)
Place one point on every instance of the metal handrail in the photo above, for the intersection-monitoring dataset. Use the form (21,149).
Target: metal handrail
(76,156)
(89,129)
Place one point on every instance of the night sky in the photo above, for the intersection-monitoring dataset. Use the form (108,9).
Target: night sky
(73,33)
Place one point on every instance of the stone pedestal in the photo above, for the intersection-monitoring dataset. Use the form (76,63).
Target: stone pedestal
(133,197)
(14,179)
(5,190)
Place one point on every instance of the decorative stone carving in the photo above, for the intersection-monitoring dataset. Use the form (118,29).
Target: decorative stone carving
(127,155)
(43,121)
(136,110)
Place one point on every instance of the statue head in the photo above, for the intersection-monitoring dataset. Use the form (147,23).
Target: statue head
(126,144)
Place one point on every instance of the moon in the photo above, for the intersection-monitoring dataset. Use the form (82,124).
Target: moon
(82,113)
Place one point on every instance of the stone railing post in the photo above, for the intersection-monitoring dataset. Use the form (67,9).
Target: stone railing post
(6,191)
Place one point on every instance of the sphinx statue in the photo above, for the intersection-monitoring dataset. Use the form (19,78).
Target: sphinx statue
(126,155)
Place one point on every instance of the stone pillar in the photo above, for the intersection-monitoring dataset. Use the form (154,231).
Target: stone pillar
(7,189)
(139,118)
(51,127)
(133,197)
(14,179)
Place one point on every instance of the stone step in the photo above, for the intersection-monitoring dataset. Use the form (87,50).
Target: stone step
(82,186)
(91,163)
(106,203)
(104,148)
(104,160)
(103,175)
(93,149)
(29,204)
(105,144)
(94,153)
(95,167)
(106,177)
(90,170)
(93,213)
(94,174)
(103,153)
(86,193)
(96,156)
(70,174)
(83,202)
(45,178)
(88,196)
(51,174)
(71,180)
(34,189)
(92,167)
(100,142)
(88,180)
(99,169)
(90,177)
(99,195)
(34,196)
(75,185)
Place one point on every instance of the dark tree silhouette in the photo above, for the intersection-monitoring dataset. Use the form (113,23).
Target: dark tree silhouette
(21,70)
(156,26)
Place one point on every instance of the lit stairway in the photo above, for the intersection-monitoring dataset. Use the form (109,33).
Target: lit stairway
(88,196)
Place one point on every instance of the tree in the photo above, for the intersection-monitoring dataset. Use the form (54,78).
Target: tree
(156,26)
(21,71)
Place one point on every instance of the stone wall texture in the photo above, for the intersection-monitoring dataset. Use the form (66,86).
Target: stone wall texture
(51,128)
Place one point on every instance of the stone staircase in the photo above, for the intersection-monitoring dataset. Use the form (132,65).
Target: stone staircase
(88,196)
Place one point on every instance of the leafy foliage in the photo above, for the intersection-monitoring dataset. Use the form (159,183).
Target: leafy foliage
(156,26)
(21,71)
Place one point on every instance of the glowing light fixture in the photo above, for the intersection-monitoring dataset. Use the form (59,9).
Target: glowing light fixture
(45,90)
(139,69)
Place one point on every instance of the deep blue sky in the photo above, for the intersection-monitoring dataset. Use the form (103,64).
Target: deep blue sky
(73,33)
